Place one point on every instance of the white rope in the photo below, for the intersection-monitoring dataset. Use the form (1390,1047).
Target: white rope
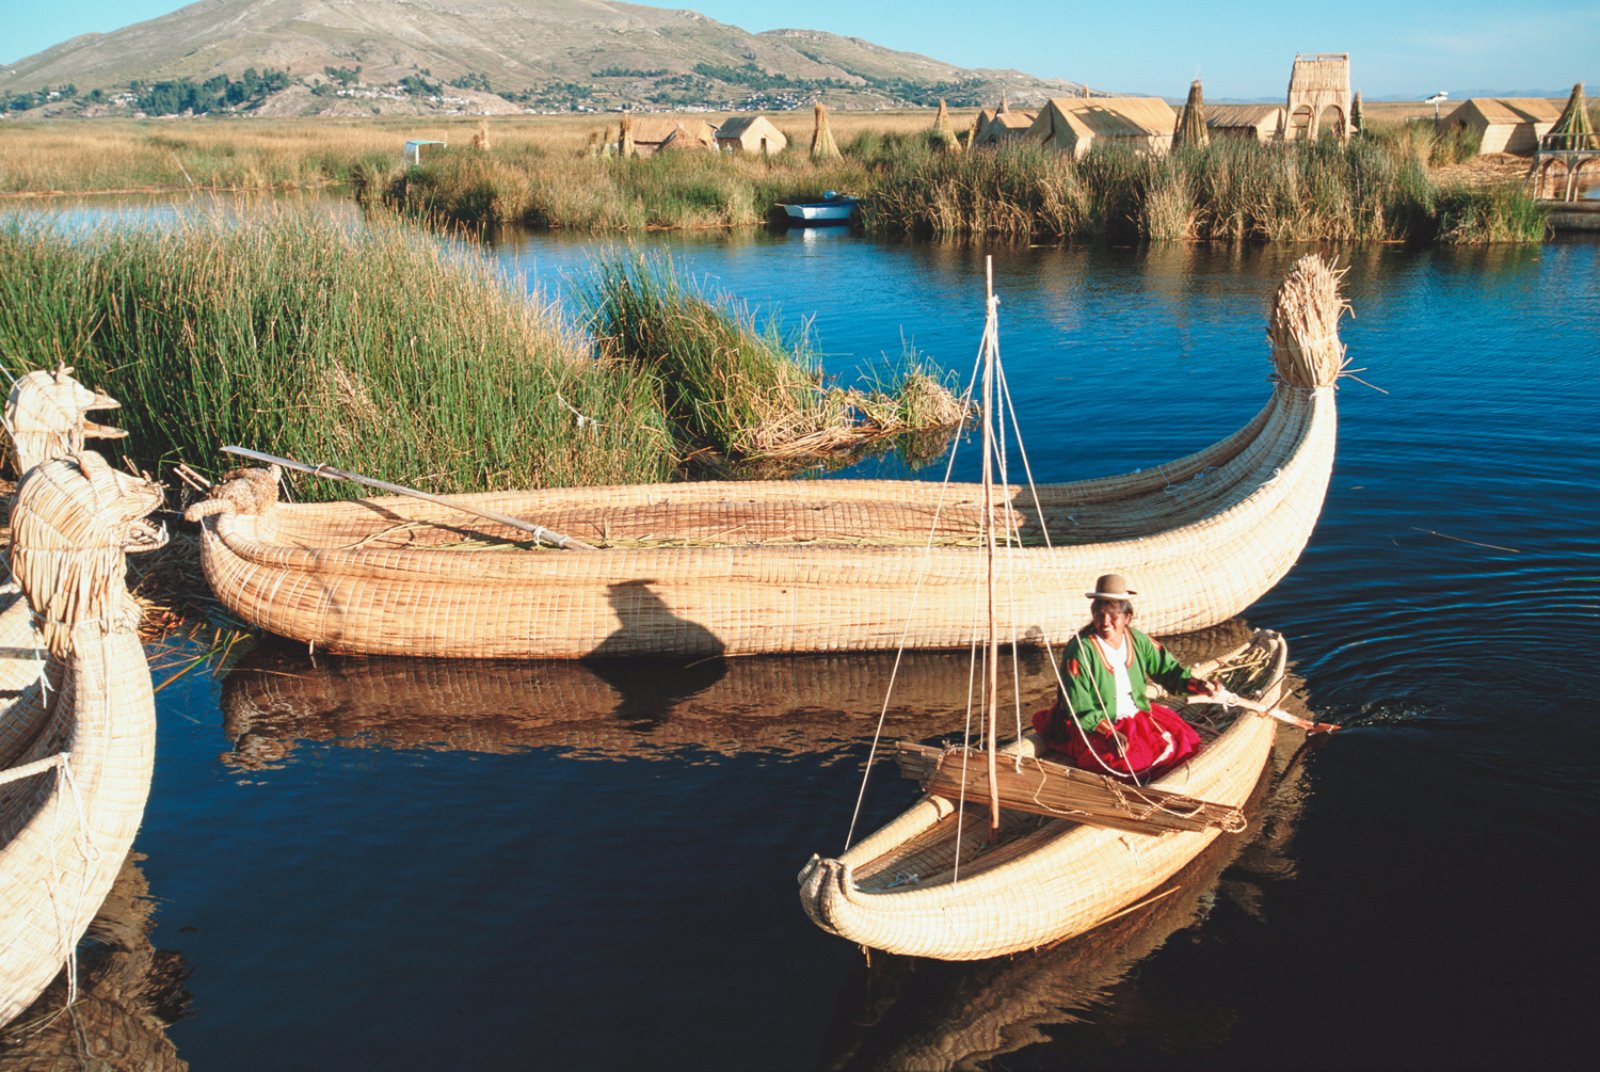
(911,612)
(38,766)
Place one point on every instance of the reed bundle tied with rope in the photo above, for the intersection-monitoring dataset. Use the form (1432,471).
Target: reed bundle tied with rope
(823,146)
(1192,129)
(1304,329)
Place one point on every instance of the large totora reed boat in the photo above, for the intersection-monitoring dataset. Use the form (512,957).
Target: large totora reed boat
(737,568)
(76,743)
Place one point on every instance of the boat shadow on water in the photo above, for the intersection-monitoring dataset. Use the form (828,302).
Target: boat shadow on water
(898,1012)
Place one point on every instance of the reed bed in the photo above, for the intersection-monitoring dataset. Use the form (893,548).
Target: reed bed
(375,349)
(739,387)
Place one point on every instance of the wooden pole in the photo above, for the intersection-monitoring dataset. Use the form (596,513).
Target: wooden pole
(539,532)
(992,691)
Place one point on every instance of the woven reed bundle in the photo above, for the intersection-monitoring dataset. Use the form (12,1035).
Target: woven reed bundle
(1304,330)
(822,143)
(942,133)
(1192,129)
(1044,879)
(62,842)
(738,568)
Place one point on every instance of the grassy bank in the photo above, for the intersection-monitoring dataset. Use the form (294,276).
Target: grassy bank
(374,349)
(381,350)
(1371,190)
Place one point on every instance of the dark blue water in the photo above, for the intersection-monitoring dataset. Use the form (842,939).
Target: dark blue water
(526,867)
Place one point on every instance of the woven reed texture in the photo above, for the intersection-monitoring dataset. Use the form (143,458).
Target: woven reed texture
(63,842)
(741,568)
(1045,879)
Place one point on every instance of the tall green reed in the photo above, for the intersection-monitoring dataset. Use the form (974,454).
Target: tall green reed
(371,348)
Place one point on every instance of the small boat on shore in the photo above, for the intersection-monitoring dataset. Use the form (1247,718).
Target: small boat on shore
(729,568)
(834,208)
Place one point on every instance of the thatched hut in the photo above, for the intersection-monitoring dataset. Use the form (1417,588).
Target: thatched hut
(999,126)
(1077,124)
(823,146)
(1192,130)
(1505,124)
(750,134)
(1319,96)
(653,133)
(1255,122)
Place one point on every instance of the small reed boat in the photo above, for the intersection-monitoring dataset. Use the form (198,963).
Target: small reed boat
(79,741)
(793,566)
(1046,877)
(1009,850)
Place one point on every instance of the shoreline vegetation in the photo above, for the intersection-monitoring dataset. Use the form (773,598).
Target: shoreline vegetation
(1395,183)
(383,350)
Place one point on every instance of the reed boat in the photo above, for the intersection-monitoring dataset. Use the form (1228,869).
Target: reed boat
(80,737)
(46,416)
(1011,849)
(931,884)
(780,566)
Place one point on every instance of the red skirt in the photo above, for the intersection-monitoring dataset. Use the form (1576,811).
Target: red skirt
(1157,740)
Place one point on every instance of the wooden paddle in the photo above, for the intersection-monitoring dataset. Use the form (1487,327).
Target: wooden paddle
(539,532)
(1223,696)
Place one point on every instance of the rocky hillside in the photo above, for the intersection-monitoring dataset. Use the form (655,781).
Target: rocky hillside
(302,57)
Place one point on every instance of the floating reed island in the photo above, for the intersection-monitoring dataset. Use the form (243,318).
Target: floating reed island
(722,567)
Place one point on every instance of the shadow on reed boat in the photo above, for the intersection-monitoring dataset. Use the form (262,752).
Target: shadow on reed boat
(732,568)
(898,1012)
(128,994)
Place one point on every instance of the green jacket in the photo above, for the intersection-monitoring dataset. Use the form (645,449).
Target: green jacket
(1090,694)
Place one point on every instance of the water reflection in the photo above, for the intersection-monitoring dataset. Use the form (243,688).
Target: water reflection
(129,993)
(639,708)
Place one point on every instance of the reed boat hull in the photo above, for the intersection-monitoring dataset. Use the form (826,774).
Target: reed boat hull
(63,843)
(744,568)
(1054,882)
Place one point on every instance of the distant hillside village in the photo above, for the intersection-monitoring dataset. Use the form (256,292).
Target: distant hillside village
(1319,103)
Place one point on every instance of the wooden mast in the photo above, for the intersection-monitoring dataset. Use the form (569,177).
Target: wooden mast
(991,329)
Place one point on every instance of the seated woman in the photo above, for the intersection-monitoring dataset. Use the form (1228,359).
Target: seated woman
(1103,719)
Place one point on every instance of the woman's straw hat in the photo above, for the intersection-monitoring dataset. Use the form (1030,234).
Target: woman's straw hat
(1111,586)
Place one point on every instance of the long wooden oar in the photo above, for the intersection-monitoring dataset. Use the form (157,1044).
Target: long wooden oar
(1222,696)
(539,532)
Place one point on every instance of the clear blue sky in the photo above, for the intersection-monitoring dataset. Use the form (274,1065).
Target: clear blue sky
(1241,50)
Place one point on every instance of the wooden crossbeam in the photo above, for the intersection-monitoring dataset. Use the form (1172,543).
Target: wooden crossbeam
(1061,792)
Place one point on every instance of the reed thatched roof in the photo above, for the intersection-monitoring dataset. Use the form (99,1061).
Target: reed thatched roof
(1073,123)
(751,134)
(652,131)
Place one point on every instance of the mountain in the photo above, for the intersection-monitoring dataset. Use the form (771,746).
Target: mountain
(339,56)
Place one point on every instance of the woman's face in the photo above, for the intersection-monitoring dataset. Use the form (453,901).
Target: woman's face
(1110,620)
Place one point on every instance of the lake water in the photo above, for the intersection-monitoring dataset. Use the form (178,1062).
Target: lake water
(407,865)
